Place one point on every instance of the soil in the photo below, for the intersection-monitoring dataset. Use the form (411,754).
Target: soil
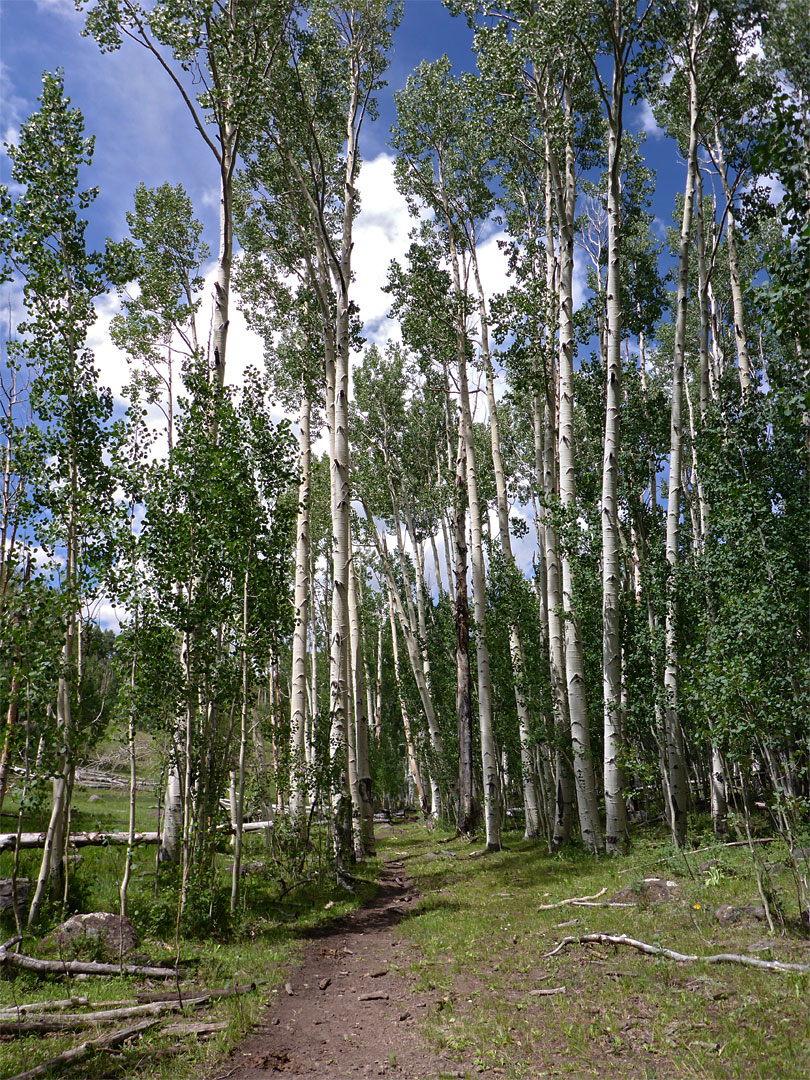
(349,1009)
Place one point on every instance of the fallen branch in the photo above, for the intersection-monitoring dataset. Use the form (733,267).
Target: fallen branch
(79,1053)
(28,840)
(547,993)
(573,900)
(670,954)
(82,967)
(47,1006)
(71,1021)
(714,847)
(8,841)
(225,991)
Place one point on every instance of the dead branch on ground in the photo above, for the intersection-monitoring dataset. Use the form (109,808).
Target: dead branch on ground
(573,900)
(671,954)
(79,1053)
(85,967)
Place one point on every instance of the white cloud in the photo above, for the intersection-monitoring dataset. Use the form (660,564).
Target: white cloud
(381,233)
(66,9)
(14,108)
(646,121)
(773,185)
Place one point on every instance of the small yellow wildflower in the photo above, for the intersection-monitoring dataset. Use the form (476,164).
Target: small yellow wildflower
(697,907)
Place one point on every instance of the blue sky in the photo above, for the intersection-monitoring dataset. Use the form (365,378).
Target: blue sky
(144,134)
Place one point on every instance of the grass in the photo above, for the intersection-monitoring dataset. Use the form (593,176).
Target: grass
(478,941)
(257,945)
(481,942)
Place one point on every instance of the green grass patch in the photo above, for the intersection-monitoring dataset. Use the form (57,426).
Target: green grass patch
(482,937)
(256,944)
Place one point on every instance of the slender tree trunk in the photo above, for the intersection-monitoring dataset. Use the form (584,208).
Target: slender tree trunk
(467,817)
(589,823)
(676,760)
(243,740)
(133,779)
(616,812)
(415,659)
(737,299)
(406,723)
(531,811)
(298,702)
(313,666)
(546,436)
(378,701)
(364,841)
(222,284)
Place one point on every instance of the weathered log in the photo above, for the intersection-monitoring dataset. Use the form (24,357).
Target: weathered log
(78,839)
(46,1006)
(671,954)
(72,1021)
(28,840)
(70,1057)
(82,967)
(225,991)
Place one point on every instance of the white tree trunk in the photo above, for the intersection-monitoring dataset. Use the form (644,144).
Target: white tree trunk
(616,812)
(406,722)
(364,841)
(676,762)
(531,811)
(298,698)
(489,755)
(589,823)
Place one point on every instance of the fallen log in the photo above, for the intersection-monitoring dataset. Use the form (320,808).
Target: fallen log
(671,954)
(72,1021)
(79,839)
(86,967)
(225,991)
(79,1053)
(28,840)
(46,1006)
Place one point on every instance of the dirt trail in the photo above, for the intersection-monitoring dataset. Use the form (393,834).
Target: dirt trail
(351,1012)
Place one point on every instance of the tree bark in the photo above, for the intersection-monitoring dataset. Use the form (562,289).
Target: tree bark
(298,701)
(616,812)
(676,761)
(589,823)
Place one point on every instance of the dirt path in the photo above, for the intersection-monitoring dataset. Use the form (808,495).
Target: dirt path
(351,1012)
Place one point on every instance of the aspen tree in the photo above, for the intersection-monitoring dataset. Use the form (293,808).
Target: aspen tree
(43,238)
(430,140)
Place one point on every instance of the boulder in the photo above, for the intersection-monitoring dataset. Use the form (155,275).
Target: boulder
(729,915)
(98,935)
(7,893)
(651,890)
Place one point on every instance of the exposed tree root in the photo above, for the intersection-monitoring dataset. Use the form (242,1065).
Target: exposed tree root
(670,954)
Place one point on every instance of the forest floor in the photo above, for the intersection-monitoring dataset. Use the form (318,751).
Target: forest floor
(440,963)
(349,1010)
(445,973)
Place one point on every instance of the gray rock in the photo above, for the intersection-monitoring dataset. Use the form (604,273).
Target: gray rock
(7,893)
(98,935)
(729,915)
